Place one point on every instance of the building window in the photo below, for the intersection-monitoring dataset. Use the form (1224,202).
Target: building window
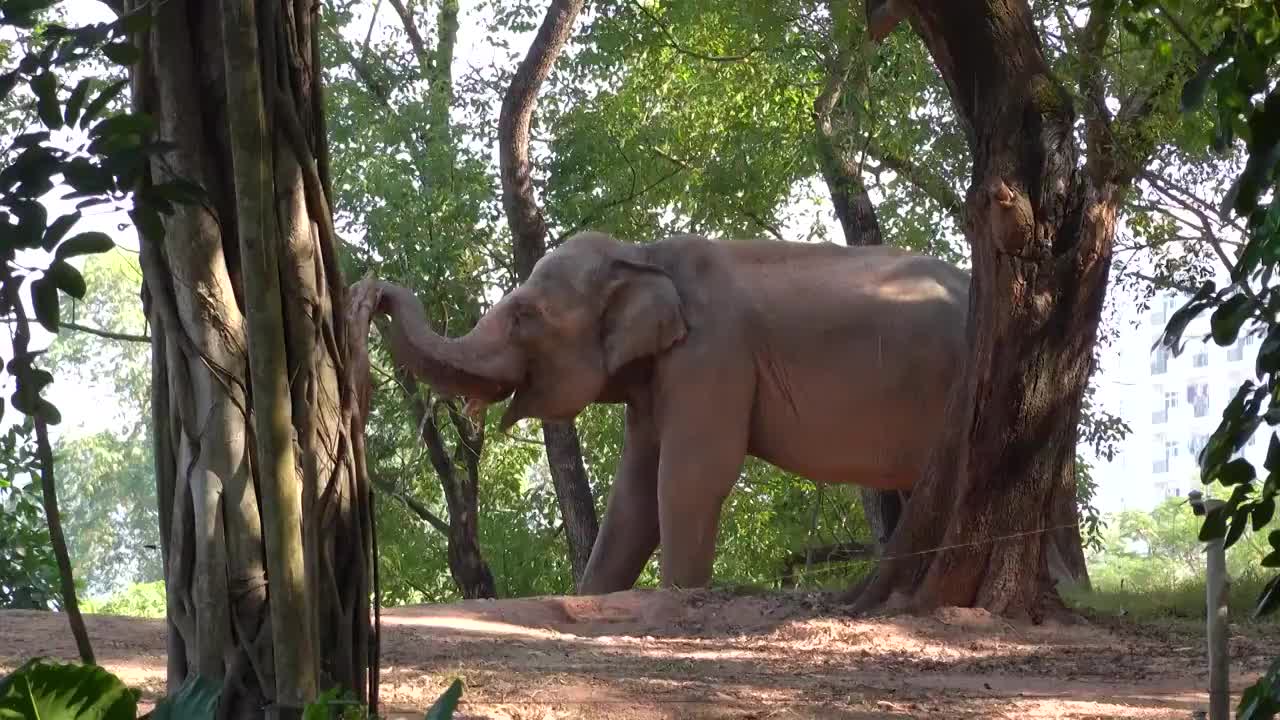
(1160,459)
(1158,313)
(1197,443)
(1160,360)
(1201,358)
(1235,352)
(1198,398)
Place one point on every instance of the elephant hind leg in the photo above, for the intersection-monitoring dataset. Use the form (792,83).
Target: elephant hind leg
(629,533)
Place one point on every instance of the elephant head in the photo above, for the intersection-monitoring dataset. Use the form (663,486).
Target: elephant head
(590,309)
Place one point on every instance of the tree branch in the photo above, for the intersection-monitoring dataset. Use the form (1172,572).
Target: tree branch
(415,506)
(415,37)
(675,44)
(925,181)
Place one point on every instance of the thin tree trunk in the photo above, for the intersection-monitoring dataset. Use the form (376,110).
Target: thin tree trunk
(49,492)
(461,490)
(1041,234)
(245,125)
(529,236)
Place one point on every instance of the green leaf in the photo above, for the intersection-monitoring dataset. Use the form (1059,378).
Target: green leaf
(59,230)
(1215,524)
(45,88)
(1263,511)
(7,82)
(67,279)
(1239,522)
(1269,599)
(99,103)
(40,689)
(76,102)
(444,707)
(123,124)
(44,299)
(32,220)
(196,699)
(31,139)
(1261,700)
(1227,318)
(85,243)
(121,53)
(1273,454)
(1237,471)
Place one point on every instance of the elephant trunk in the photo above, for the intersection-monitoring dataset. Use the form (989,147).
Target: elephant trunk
(481,366)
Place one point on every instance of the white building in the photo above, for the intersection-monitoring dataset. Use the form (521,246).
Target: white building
(1171,404)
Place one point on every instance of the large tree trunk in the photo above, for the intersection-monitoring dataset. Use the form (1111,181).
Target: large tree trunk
(529,235)
(975,530)
(244,112)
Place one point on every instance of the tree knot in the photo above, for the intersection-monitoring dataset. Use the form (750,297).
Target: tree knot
(1009,214)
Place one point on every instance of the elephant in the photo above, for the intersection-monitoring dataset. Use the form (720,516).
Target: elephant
(830,361)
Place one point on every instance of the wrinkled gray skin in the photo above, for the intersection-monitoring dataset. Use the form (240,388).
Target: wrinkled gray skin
(829,361)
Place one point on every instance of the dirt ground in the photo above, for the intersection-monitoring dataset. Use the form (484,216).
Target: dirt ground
(650,654)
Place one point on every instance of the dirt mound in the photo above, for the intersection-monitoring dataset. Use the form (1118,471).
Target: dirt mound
(651,654)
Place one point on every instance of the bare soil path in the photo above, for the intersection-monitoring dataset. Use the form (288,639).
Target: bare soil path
(650,654)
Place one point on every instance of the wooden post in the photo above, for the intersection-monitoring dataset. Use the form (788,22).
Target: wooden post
(1216,584)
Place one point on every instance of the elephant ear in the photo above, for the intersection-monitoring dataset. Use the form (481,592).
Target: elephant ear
(642,315)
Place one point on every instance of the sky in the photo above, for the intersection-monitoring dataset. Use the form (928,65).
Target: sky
(476,48)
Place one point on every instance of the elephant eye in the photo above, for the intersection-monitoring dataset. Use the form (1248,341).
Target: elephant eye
(524,315)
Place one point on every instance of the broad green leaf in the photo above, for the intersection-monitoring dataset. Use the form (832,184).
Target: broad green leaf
(30,139)
(7,82)
(99,103)
(40,690)
(44,300)
(196,699)
(76,102)
(67,279)
(45,87)
(121,53)
(59,229)
(1227,318)
(123,124)
(1237,471)
(85,243)
(1269,600)
(1263,511)
(1239,523)
(444,706)
(1261,700)
(1215,524)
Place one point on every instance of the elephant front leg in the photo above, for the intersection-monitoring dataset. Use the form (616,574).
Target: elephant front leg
(703,449)
(629,532)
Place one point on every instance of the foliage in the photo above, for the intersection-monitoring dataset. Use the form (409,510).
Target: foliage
(28,570)
(108,484)
(72,691)
(41,689)
(1240,71)
(145,599)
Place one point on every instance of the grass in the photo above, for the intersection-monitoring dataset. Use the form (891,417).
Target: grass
(1177,600)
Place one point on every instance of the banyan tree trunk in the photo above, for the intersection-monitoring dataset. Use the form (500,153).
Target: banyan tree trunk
(264,499)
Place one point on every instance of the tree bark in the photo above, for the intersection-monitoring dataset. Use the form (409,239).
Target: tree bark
(460,480)
(1041,233)
(49,497)
(529,237)
(246,125)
